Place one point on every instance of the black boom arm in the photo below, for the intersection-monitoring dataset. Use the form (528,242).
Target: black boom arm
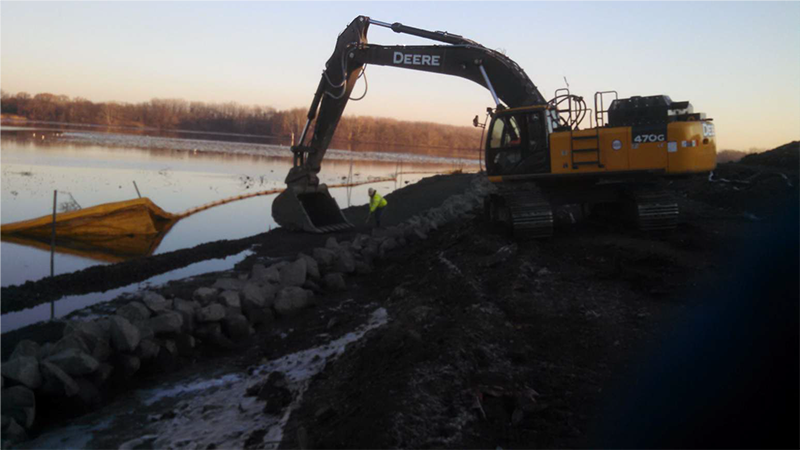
(463,58)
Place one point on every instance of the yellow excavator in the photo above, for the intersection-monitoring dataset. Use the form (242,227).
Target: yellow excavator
(535,152)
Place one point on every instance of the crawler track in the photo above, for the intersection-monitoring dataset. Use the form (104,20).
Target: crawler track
(525,210)
(655,209)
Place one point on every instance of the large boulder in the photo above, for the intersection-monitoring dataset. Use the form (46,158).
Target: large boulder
(74,362)
(228,284)
(69,342)
(370,252)
(56,381)
(124,336)
(187,310)
(127,365)
(291,300)
(325,257)
(44,351)
(24,370)
(312,286)
(257,295)
(230,299)
(363,268)
(189,306)
(102,374)
(331,243)
(253,295)
(156,302)
(92,333)
(262,274)
(360,241)
(169,322)
(204,295)
(211,313)
(312,268)
(335,282)
(25,347)
(19,403)
(145,328)
(236,326)
(134,311)
(345,261)
(102,350)
(13,433)
(387,246)
(148,349)
(294,274)
(257,316)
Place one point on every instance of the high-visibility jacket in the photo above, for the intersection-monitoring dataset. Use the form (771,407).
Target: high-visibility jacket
(376,201)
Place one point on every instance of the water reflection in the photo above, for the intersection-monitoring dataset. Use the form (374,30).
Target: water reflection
(70,303)
(110,249)
(174,178)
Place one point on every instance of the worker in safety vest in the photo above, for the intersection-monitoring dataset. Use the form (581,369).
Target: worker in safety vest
(376,205)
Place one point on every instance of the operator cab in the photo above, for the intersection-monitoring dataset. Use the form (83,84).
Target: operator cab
(518,141)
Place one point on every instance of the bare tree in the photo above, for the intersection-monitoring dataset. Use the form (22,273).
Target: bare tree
(169,114)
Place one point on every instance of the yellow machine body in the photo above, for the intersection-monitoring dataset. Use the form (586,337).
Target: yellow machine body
(687,149)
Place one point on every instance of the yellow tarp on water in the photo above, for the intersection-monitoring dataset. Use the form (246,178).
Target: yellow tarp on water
(114,231)
(131,217)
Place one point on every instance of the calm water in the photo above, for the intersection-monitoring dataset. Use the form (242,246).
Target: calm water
(90,168)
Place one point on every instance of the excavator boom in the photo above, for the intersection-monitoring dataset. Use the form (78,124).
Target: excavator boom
(306,204)
(536,154)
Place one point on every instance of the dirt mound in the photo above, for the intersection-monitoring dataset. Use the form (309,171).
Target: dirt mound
(490,342)
(726,156)
(786,156)
(758,186)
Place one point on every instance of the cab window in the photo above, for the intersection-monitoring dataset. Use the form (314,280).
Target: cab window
(505,133)
(496,138)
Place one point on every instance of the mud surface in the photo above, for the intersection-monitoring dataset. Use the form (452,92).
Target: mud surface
(599,337)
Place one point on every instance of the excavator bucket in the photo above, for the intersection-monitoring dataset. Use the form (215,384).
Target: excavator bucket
(310,209)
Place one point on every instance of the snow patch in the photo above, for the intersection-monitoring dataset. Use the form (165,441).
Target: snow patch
(217,412)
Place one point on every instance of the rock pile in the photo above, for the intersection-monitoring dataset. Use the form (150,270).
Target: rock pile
(155,331)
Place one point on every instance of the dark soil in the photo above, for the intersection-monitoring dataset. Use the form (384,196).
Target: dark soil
(599,337)
(536,351)
(784,157)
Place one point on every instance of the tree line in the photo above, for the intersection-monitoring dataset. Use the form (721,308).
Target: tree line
(231,117)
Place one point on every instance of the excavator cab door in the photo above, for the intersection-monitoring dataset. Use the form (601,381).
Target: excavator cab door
(518,143)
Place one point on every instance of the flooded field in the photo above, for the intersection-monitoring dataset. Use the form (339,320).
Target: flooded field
(87,168)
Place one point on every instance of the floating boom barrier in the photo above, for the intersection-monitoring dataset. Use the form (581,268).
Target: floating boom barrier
(137,216)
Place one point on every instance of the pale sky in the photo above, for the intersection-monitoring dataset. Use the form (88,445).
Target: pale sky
(737,62)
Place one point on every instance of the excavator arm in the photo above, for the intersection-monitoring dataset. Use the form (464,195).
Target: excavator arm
(306,204)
